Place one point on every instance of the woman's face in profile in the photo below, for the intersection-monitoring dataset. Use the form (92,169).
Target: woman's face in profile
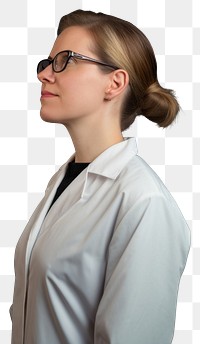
(78,91)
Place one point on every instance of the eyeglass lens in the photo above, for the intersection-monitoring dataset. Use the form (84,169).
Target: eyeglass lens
(42,65)
(59,62)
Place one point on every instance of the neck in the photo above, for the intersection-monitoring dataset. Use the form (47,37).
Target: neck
(90,142)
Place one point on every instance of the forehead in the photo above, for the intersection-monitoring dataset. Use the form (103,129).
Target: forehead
(74,38)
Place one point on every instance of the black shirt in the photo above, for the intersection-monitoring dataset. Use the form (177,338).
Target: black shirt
(72,171)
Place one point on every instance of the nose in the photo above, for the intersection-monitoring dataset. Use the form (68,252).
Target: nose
(47,75)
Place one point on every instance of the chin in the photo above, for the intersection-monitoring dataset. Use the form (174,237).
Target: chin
(47,117)
(51,118)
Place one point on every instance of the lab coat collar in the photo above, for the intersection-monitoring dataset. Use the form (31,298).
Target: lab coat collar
(110,163)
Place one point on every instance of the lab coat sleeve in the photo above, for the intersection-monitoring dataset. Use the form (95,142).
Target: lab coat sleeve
(147,256)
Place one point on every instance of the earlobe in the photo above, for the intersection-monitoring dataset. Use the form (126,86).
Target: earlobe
(107,98)
(108,93)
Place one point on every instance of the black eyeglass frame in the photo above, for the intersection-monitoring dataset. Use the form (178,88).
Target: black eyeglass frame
(71,54)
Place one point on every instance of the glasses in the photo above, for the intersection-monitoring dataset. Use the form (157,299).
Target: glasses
(60,61)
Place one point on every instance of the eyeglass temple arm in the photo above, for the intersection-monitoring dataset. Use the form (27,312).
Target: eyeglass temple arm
(82,57)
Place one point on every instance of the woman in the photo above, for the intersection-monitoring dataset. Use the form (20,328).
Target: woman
(101,258)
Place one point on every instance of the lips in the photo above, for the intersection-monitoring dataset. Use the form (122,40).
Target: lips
(47,94)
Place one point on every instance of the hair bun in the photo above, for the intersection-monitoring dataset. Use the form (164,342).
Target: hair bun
(159,105)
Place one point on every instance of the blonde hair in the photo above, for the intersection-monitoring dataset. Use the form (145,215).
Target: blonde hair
(120,43)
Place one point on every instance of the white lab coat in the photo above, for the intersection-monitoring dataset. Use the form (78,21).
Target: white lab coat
(104,265)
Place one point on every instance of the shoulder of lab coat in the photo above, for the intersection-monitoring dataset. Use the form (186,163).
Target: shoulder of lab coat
(146,258)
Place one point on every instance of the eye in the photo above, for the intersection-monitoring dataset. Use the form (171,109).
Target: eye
(60,61)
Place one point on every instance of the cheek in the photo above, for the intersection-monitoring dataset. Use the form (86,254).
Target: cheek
(82,95)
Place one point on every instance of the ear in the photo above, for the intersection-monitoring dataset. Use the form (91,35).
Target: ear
(118,82)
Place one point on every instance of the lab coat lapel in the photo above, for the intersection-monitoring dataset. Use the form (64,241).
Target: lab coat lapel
(92,178)
(70,196)
(35,223)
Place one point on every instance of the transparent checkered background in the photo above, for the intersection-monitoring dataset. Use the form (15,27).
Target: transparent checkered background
(31,150)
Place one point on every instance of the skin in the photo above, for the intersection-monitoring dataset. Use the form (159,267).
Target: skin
(86,100)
